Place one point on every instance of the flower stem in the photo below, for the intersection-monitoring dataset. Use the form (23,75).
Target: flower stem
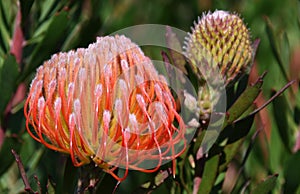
(90,176)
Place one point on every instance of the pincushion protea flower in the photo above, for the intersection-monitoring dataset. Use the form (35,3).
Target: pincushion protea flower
(223,41)
(105,104)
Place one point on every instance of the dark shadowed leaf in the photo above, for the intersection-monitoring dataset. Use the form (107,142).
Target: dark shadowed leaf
(242,85)
(243,102)
(237,130)
(282,113)
(153,185)
(265,186)
(230,151)
(235,134)
(275,46)
(6,158)
(83,34)
(69,178)
(53,34)
(87,29)
(4,32)
(25,9)
(8,76)
(292,173)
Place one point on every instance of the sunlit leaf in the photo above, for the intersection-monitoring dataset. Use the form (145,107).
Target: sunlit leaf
(209,175)
(50,187)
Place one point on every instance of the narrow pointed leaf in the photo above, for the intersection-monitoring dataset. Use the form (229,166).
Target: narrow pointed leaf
(83,34)
(175,49)
(265,186)
(6,158)
(282,115)
(244,101)
(235,134)
(4,31)
(8,75)
(26,6)
(237,130)
(209,175)
(275,47)
(292,174)
(53,34)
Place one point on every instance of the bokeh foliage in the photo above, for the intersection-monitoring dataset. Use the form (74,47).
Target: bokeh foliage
(255,158)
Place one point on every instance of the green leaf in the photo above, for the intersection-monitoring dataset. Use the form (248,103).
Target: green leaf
(69,177)
(8,15)
(237,130)
(4,28)
(230,151)
(282,115)
(297,115)
(53,34)
(298,190)
(8,75)
(185,171)
(50,187)
(86,30)
(245,100)
(235,134)
(209,175)
(154,184)
(174,47)
(292,173)
(285,50)
(297,108)
(46,8)
(275,46)
(84,33)
(26,6)
(265,186)
(6,158)
(30,154)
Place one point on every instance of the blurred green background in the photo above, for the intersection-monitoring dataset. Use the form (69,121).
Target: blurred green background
(51,26)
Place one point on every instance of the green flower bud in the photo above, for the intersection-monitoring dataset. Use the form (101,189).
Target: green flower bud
(219,43)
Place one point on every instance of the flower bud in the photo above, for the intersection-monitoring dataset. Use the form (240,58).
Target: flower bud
(219,44)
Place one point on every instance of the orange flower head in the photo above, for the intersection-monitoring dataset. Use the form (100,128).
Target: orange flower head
(106,104)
